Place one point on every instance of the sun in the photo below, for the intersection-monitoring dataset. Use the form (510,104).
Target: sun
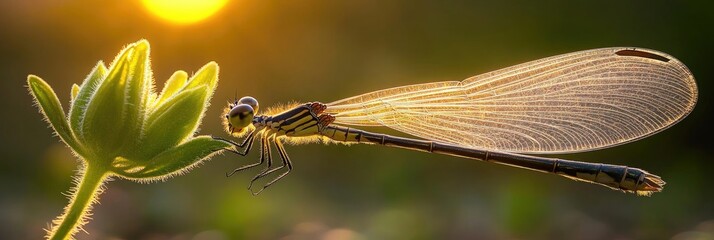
(184,11)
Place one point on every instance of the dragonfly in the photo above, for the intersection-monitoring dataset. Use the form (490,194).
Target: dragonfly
(575,102)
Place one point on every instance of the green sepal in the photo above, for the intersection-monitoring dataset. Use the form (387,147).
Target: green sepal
(52,109)
(105,125)
(170,124)
(173,161)
(75,91)
(79,104)
(137,87)
(207,75)
(172,86)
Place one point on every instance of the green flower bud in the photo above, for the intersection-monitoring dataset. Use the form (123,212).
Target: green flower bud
(120,127)
(116,117)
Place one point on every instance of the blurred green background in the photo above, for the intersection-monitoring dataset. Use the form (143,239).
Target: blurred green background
(320,50)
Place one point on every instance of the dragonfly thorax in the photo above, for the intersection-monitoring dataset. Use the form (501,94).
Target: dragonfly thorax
(302,120)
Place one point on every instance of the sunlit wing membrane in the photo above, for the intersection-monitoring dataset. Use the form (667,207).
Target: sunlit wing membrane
(568,103)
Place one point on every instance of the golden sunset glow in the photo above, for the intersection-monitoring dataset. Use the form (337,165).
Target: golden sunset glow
(184,11)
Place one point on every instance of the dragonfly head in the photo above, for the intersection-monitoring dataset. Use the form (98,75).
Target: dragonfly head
(240,114)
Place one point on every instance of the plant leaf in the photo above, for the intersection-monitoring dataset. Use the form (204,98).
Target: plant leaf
(52,109)
(177,160)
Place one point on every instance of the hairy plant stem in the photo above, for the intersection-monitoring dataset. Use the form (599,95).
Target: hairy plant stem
(84,195)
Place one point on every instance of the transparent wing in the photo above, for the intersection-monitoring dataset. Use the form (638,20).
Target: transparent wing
(568,103)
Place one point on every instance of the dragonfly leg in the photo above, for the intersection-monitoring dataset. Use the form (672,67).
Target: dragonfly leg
(247,141)
(250,145)
(266,154)
(286,162)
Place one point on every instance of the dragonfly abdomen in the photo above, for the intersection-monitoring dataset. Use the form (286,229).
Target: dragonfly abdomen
(616,177)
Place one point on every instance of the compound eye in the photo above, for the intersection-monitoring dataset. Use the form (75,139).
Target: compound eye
(250,101)
(241,116)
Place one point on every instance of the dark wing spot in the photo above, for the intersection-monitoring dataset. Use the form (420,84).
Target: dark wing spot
(637,53)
